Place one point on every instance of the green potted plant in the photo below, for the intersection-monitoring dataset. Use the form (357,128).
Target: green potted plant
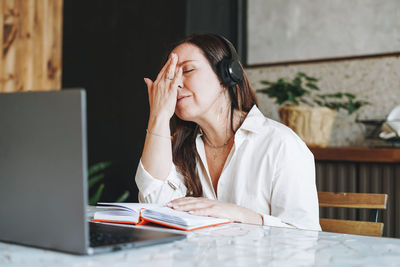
(309,114)
(96,175)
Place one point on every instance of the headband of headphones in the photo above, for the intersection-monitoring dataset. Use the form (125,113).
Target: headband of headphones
(229,69)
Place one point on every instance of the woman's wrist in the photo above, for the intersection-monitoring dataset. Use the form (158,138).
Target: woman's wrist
(158,135)
(159,117)
(159,124)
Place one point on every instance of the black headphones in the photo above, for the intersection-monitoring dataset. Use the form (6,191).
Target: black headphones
(229,69)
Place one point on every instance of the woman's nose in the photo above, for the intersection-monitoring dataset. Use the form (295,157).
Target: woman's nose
(180,83)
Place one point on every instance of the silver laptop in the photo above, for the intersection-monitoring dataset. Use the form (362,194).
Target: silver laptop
(43,177)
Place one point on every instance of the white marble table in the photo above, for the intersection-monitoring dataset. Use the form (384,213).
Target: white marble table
(230,245)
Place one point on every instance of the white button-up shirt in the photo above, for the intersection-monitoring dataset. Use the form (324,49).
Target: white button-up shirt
(269,170)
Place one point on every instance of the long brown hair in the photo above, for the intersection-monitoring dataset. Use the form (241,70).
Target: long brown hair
(242,97)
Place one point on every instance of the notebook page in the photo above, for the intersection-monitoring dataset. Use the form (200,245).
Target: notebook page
(117,216)
(128,206)
(185,219)
(122,212)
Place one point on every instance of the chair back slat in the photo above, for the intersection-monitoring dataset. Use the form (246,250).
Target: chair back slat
(352,200)
(351,227)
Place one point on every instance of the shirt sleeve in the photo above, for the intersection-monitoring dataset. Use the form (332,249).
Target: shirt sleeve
(294,198)
(152,190)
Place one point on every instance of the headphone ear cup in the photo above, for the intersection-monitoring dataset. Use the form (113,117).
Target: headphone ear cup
(230,72)
(235,71)
(222,67)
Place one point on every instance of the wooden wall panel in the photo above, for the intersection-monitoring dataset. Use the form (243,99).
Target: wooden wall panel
(30,45)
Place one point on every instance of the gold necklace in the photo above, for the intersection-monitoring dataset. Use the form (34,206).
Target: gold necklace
(217,147)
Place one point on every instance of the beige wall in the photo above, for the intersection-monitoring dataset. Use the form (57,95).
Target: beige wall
(376,80)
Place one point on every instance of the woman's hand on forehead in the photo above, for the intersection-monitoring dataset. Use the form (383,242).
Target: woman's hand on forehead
(163,91)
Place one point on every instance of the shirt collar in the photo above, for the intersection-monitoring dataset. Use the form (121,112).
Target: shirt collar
(253,120)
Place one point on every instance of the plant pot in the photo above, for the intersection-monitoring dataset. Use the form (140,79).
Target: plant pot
(313,125)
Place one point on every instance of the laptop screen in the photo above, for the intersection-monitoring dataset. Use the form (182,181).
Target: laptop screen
(43,169)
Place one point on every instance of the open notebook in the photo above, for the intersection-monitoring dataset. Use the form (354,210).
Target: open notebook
(139,213)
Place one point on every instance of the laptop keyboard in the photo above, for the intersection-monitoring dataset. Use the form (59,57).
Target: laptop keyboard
(103,235)
(106,234)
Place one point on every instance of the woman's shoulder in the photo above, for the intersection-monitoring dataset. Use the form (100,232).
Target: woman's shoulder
(265,127)
(269,133)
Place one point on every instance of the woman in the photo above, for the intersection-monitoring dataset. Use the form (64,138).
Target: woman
(224,158)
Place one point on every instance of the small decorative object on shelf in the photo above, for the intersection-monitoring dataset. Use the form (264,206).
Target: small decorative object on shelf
(391,127)
(372,128)
(309,114)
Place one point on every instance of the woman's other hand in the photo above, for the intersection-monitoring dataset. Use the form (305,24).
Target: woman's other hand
(163,91)
(206,207)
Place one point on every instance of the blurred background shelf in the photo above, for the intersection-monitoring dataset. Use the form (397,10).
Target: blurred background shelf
(356,154)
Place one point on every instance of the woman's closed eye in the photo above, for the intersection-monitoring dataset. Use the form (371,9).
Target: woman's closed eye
(188,70)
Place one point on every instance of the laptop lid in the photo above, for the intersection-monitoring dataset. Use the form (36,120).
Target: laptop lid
(43,169)
(43,177)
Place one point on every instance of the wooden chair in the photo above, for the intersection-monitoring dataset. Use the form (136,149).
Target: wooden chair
(353,200)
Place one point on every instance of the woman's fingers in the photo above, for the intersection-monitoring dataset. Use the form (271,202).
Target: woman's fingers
(149,84)
(188,203)
(184,200)
(192,206)
(166,69)
(162,71)
(210,211)
(170,72)
(207,207)
(162,97)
